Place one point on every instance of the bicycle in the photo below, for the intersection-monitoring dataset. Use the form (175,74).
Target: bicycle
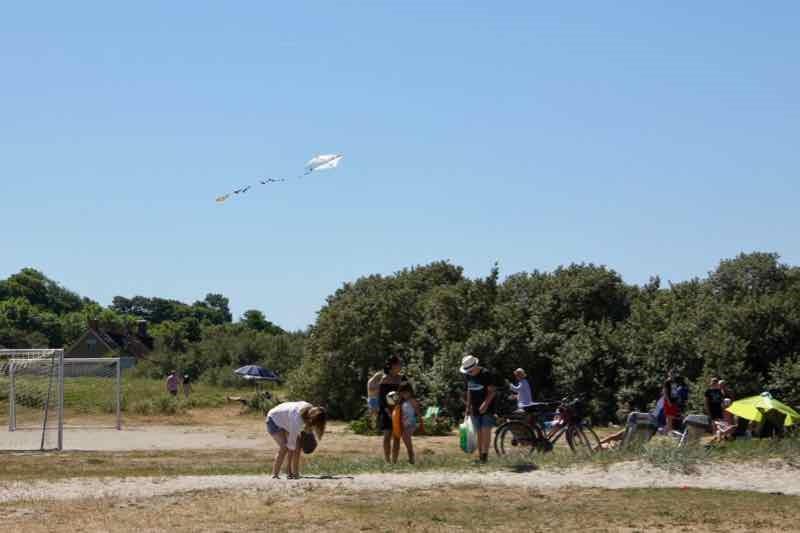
(523,432)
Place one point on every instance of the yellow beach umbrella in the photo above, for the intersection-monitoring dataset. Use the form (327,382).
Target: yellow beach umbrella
(754,407)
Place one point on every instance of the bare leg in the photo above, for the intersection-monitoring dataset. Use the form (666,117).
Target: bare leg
(296,459)
(409,445)
(484,437)
(615,437)
(289,462)
(395,449)
(280,438)
(387,445)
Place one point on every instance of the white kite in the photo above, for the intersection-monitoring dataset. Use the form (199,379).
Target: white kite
(323,162)
(319,162)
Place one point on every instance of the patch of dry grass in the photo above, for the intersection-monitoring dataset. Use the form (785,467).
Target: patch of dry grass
(437,509)
(339,452)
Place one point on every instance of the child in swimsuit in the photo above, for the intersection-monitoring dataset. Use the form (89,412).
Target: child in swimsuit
(410,415)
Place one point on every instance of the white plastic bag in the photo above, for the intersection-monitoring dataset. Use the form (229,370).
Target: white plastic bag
(468,438)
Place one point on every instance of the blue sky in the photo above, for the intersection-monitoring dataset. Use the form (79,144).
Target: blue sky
(655,138)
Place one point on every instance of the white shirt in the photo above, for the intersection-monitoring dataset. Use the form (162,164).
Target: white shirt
(523,390)
(287,417)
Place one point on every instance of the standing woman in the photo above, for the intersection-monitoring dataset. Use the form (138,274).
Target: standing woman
(672,410)
(284,424)
(391,382)
(187,385)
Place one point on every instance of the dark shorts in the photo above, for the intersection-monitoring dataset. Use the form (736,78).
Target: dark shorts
(173,392)
(483,421)
(272,427)
(384,421)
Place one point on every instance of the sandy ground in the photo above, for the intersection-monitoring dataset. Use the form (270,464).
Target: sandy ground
(141,438)
(221,428)
(233,433)
(766,478)
(188,438)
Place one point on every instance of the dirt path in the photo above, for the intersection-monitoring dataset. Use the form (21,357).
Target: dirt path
(769,478)
(239,435)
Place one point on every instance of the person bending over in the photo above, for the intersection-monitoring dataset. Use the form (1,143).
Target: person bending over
(284,424)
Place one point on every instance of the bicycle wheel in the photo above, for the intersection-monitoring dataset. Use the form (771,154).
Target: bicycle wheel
(582,439)
(514,438)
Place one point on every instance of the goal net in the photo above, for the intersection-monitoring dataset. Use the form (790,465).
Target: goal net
(31,399)
(92,393)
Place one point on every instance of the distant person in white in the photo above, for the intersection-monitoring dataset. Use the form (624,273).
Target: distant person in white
(284,424)
(522,389)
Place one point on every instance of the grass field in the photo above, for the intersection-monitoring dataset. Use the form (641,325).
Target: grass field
(441,509)
(93,395)
(90,401)
(342,453)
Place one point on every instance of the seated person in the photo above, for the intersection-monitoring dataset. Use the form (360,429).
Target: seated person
(771,425)
(726,427)
(638,425)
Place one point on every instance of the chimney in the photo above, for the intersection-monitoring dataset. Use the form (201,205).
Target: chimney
(141,329)
(94,324)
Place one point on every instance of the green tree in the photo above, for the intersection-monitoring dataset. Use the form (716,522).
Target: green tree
(255,320)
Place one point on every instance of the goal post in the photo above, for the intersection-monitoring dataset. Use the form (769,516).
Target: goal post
(32,386)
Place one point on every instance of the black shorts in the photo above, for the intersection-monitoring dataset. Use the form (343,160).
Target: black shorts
(384,421)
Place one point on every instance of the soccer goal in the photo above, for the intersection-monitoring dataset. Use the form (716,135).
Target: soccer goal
(31,400)
(42,393)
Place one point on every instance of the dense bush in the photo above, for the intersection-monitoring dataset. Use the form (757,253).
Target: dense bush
(222,350)
(576,330)
(364,425)
(785,380)
(193,338)
(438,426)
(261,403)
(159,405)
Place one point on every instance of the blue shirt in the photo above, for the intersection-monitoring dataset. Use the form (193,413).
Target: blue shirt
(524,395)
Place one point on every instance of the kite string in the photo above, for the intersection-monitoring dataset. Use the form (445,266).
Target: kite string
(267,181)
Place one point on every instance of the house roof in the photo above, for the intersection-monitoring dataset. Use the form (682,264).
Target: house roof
(136,345)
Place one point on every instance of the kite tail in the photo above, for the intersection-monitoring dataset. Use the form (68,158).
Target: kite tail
(319,163)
